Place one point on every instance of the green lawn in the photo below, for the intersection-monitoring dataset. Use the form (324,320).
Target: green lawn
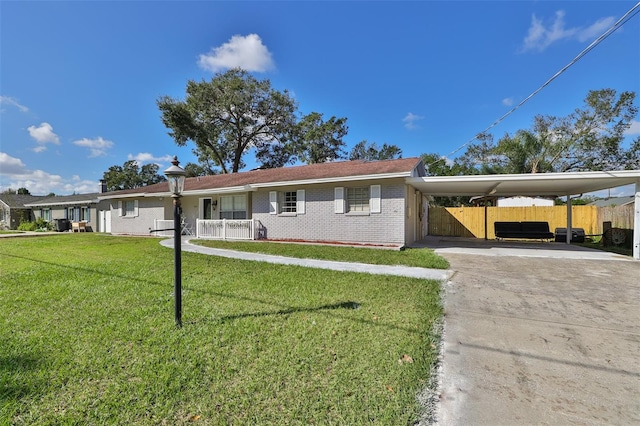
(421,257)
(87,337)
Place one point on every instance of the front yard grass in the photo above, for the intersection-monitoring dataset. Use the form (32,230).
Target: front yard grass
(421,257)
(87,337)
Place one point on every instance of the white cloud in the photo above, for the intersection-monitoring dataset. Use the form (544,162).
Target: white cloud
(43,134)
(6,100)
(147,157)
(14,174)
(634,129)
(410,120)
(507,102)
(595,30)
(247,53)
(10,165)
(97,146)
(539,36)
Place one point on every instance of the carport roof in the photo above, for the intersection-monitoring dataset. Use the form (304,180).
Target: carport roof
(535,184)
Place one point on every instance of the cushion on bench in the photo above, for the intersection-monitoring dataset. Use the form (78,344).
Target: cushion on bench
(530,230)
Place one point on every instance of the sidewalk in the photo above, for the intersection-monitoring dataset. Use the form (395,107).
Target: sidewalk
(23,234)
(399,270)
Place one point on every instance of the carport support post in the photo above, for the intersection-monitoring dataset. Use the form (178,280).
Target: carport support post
(569,211)
(636,223)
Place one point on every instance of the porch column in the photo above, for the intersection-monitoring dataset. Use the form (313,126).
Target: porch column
(636,222)
(569,212)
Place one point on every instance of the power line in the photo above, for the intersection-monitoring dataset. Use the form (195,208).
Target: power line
(619,23)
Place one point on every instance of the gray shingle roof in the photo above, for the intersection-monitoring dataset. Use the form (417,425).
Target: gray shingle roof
(614,201)
(57,200)
(17,201)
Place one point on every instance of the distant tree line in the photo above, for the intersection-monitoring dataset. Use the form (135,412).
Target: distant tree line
(234,115)
(591,138)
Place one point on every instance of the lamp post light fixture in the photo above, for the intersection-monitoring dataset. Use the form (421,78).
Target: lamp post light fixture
(176,176)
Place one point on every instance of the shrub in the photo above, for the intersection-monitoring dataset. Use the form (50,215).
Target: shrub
(39,225)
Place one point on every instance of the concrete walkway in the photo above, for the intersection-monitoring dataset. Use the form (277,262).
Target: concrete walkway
(544,334)
(405,271)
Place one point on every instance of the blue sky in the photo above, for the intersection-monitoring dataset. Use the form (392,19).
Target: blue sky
(79,80)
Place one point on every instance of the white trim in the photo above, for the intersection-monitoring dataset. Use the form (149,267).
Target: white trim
(332,180)
(134,195)
(209,192)
(63,203)
(375,193)
(532,184)
(273,202)
(300,201)
(338,195)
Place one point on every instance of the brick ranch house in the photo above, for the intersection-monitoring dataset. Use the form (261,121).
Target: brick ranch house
(361,202)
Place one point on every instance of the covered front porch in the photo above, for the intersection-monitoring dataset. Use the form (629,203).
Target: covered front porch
(215,229)
(222,215)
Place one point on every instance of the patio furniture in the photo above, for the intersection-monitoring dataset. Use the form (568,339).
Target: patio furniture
(185,227)
(523,230)
(79,226)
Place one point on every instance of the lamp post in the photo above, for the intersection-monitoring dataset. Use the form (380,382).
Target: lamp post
(176,176)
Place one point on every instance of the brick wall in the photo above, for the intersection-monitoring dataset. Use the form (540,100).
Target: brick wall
(321,223)
(149,209)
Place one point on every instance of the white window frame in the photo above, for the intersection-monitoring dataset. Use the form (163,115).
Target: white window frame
(234,211)
(122,208)
(278,205)
(343,203)
(85,213)
(357,199)
(45,214)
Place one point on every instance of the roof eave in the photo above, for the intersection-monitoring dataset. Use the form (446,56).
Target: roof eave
(64,203)
(333,180)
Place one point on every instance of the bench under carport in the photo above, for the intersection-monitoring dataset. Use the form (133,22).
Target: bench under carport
(535,184)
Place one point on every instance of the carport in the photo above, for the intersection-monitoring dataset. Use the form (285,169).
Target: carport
(536,184)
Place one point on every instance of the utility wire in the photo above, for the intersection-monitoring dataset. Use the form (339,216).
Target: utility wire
(623,20)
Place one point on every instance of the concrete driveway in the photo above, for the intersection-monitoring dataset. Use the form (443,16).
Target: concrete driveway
(539,334)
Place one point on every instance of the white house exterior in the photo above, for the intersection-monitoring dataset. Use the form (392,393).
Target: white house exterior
(525,202)
(376,203)
(352,202)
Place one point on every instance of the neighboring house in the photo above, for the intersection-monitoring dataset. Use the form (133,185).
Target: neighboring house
(525,202)
(73,208)
(613,202)
(13,210)
(351,201)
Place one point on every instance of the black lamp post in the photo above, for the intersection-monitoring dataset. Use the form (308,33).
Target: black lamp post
(176,176)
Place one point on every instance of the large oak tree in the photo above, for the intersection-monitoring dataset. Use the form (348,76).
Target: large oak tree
(235,113)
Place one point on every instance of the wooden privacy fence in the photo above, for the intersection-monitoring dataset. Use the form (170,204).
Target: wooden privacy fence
(470,221)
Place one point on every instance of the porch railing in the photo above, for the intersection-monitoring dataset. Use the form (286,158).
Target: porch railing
(225,229)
